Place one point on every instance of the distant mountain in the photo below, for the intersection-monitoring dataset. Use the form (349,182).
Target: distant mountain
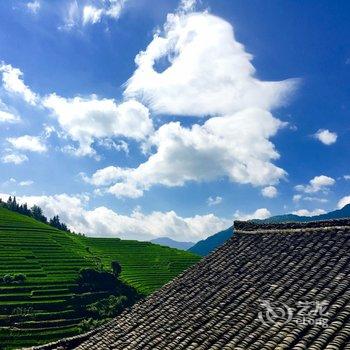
(206,246)
(172,243)
(336,214)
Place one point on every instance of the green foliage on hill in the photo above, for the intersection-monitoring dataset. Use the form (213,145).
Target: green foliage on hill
(46,302)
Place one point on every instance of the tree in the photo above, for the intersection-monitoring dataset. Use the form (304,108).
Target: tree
(116,268)
(94,280)
(8,279)
(37,213)
(19,278)
(55,222)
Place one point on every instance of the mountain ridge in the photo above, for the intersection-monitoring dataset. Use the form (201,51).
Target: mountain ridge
(207,245)
(169,242)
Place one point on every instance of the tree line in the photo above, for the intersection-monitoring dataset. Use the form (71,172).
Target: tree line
(34,212)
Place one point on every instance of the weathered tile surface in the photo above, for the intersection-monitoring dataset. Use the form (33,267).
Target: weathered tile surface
(215,304)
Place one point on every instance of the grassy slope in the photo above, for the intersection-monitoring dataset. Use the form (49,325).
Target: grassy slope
(51,260)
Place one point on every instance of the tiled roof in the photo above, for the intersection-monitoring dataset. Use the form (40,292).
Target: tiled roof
(216,303)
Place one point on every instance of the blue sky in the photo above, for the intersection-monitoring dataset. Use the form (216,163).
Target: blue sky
(141,119)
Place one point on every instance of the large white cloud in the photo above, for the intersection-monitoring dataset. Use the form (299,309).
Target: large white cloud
(317,184)
(210,72)
(87,119)
(234,146)
(13,83)
(105,222)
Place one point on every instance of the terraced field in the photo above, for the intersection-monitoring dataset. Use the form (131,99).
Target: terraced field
(44,308)
(145,266)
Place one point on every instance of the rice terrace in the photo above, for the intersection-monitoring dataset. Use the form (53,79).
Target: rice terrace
(47,305)
(174,175)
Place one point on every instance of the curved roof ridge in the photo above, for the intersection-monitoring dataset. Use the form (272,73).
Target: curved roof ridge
(273,227)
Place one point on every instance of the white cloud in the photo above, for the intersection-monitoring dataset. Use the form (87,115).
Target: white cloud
(210,73)
(343,202)
(13,83)
(110,9)
(269,192)
(87,119)
(7,117)
(14,158)
(28,143)
(26,183)
(346,177)
(187,5)
(326,137)
(104,222)
(116,145)
(317,184)
(91,14)
(261,214)
(33,6)
(214,200)
(86,12)
(306,212)
(235,146)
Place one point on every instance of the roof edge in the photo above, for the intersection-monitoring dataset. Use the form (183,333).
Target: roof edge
(253,226)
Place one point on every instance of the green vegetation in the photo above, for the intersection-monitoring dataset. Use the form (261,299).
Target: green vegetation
(43,291)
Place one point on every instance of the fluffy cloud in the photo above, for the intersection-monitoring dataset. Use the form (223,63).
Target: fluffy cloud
(28,143)
(235,146)
(269,192)
(326,137)
(87,119)
(13,83)
(346,177)
(261,214)
(209,72)
(14,158)
(105,222)
(343,202)
(214,200)
(306,212)
(317,184)
(7,117)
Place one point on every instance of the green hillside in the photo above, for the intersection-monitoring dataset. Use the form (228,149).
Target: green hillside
(46,306)
(145,266)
